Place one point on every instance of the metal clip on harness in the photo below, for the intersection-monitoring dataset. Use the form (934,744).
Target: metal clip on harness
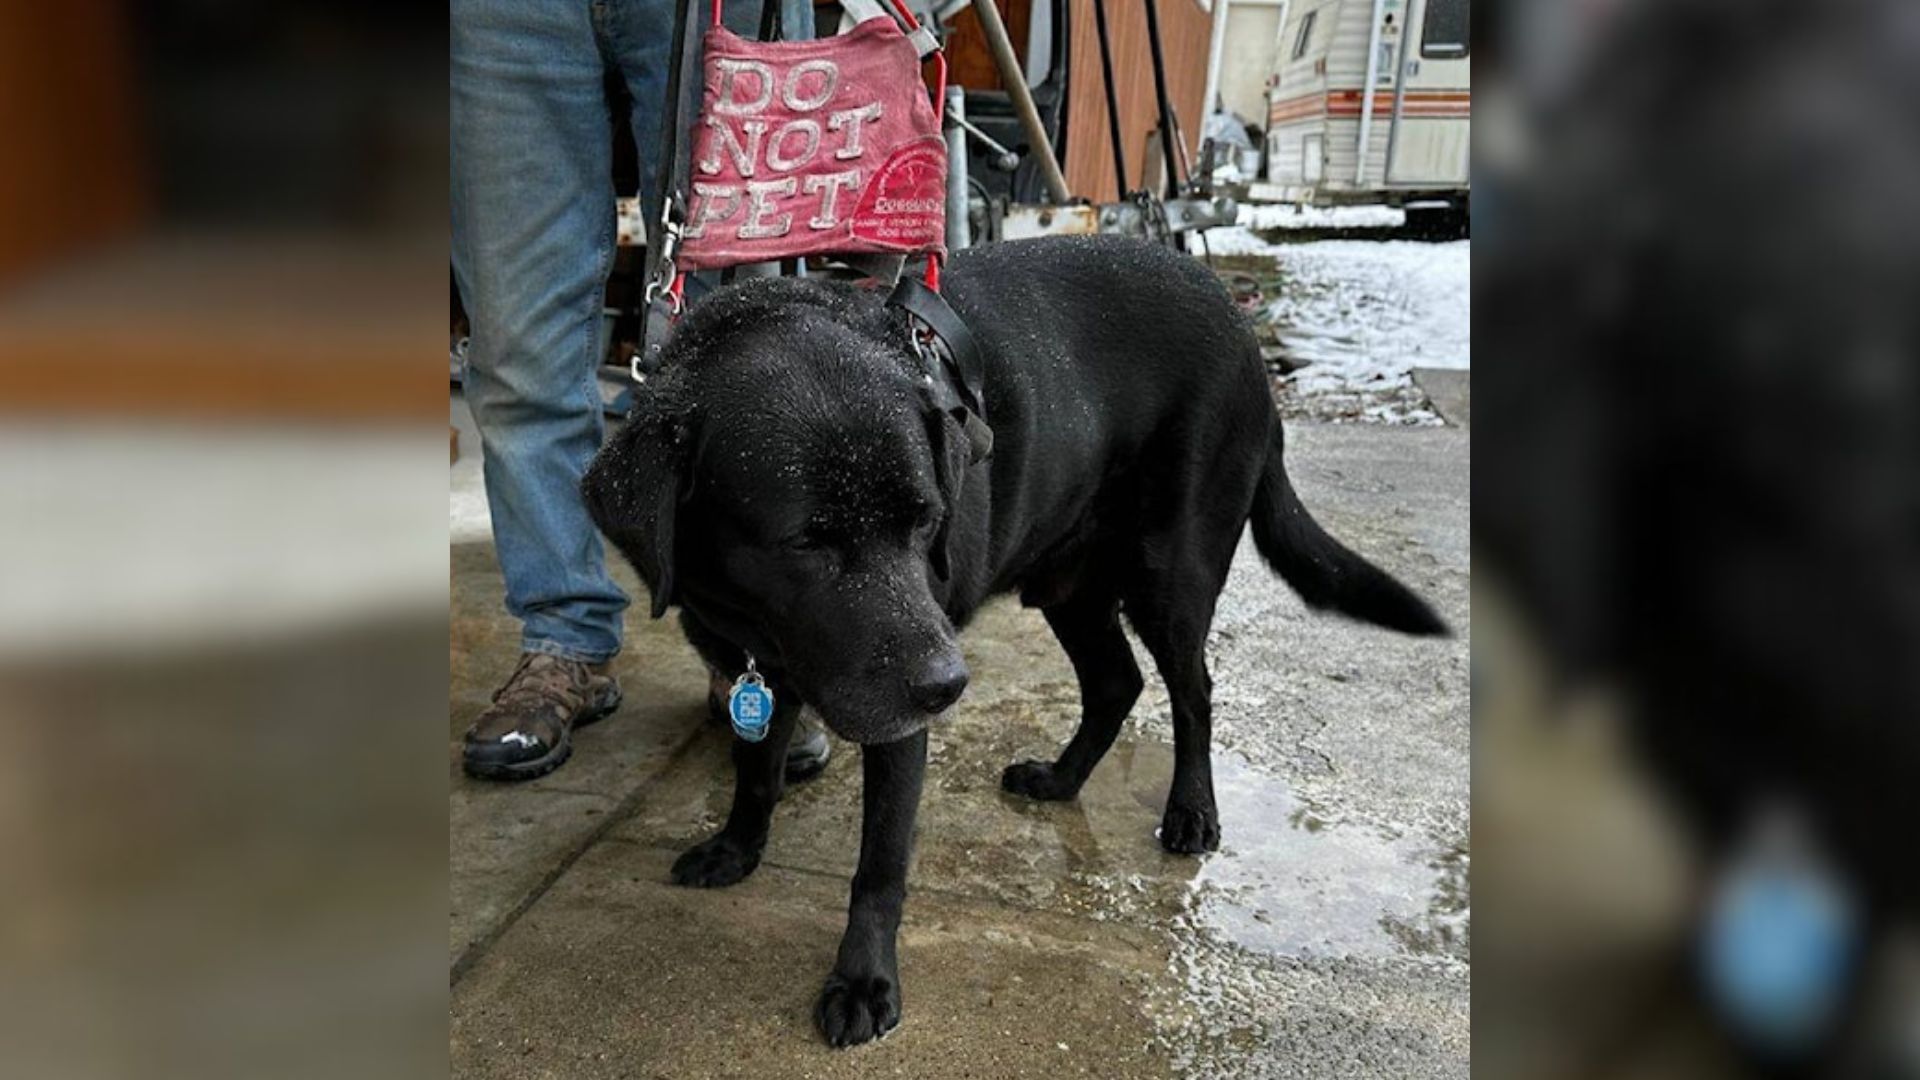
(664,289)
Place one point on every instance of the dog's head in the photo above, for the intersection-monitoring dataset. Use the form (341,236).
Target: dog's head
(789,480)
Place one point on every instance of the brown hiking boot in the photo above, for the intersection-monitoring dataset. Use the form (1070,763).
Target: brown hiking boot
(526,732)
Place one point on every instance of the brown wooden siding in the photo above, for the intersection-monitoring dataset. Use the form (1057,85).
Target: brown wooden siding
(970,59)
(72,172)
(1184,30)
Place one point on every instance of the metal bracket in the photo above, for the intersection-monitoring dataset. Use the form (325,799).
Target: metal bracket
(1152,218)
(923,40)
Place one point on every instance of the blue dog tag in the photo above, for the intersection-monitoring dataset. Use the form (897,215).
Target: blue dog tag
(1780,944)
(750,705)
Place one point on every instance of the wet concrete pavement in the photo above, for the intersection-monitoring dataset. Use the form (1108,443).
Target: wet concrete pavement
(1328,937)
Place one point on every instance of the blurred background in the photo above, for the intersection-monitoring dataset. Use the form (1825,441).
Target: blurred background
(222,555)
(1697,540)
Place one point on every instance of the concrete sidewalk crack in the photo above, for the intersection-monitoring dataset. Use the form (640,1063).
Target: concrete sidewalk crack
(477,949)
(942,892)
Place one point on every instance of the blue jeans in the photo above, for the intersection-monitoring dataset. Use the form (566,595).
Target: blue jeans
(533,241)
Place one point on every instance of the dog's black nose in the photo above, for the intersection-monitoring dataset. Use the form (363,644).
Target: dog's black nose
(940,683)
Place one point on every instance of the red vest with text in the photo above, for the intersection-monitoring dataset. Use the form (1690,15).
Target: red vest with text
(814,148)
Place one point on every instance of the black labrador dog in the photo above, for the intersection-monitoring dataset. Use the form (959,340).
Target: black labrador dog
(788,483)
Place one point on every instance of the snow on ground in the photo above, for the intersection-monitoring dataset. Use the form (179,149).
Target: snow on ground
(1360,315)
(1289,216)
(1368,308)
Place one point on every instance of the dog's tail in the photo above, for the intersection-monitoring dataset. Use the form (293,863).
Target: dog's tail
(1320,568)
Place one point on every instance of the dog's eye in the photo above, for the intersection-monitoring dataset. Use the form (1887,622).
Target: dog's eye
(813,553)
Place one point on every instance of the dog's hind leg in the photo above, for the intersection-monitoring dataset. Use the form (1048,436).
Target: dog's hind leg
(1172,612)
(732,853)
(1088,627)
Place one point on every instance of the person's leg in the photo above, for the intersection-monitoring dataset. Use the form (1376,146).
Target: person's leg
(533,223)
(640,38)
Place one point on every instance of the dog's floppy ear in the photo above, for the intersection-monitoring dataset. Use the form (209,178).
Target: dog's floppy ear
(951,455)
(666,507)
(634,490)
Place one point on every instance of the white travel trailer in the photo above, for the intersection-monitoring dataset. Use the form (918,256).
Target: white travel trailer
(1371,101)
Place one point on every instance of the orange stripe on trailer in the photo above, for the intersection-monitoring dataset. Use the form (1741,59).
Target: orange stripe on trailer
(1408,114)
(1384,107)
(1299,101)
(1347,104)
(1353,108)
(1412,95)
(1298,112)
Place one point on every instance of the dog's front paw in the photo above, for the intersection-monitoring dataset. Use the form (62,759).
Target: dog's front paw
(714,862)
(1038,780)
(1188,830)
(853,1010)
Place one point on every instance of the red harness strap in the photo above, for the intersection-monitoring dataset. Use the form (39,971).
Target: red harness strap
(818,147)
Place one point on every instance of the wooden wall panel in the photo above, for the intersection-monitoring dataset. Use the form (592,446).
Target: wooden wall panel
(970,59)
(73,172)
(1184,32)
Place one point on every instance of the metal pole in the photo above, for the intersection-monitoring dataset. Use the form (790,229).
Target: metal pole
(1113,101)
(1216,51)
(1016,84)
(1167,137)
(1366,99)
(957,230)
(1281,43)
(1399,91)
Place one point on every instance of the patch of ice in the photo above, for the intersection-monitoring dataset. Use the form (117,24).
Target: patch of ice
(1287,918)
(1301,885)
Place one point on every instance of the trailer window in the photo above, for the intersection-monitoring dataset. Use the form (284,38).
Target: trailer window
(1306,34)
(1444,33)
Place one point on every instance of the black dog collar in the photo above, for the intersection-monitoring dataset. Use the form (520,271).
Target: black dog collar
(954,369)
